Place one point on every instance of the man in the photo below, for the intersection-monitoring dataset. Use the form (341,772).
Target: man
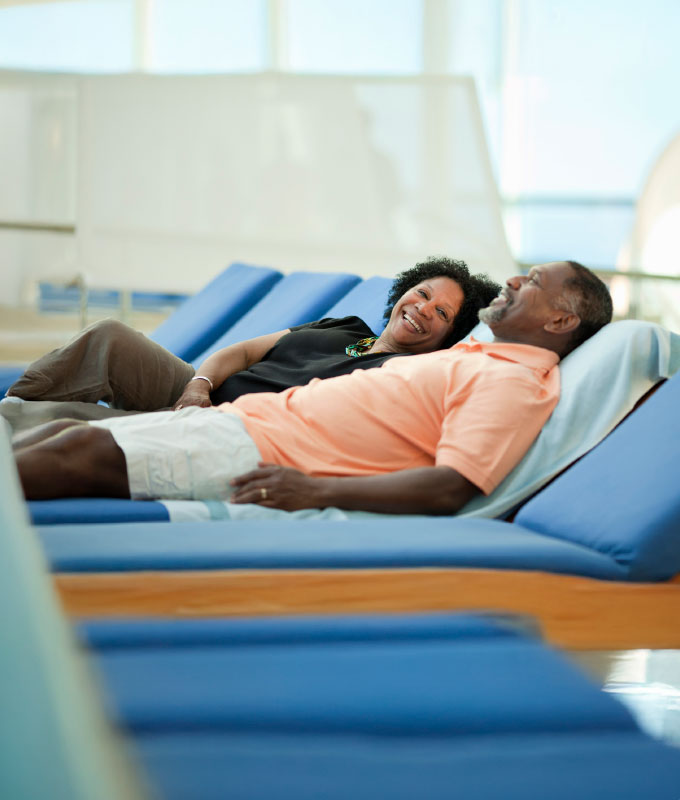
(419,435)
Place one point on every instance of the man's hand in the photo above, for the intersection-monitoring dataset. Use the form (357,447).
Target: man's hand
(196,393)
(423,490)
(277,487)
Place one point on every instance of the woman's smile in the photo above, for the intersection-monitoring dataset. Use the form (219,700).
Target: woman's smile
(411,321)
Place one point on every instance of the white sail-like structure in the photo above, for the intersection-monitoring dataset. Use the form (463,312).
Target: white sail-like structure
(177,176)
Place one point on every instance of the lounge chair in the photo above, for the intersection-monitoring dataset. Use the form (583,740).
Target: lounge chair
(404,706)
(594,554)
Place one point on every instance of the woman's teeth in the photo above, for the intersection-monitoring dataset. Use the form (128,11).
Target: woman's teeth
(410,320)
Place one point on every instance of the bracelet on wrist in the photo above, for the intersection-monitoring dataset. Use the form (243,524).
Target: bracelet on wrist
(203,378)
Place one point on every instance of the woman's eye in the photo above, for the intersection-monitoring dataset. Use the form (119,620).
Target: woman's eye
(442,313)
(422,293)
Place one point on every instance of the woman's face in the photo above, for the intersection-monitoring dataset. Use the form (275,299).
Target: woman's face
(423,317)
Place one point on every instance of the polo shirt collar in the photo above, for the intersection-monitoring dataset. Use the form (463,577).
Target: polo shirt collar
(527,354)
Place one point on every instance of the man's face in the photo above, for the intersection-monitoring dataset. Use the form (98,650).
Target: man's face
(527,303)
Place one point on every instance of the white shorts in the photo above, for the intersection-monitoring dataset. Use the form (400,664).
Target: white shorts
(190,454)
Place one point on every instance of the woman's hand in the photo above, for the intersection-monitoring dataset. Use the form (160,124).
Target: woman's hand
(196,393)
(278,487)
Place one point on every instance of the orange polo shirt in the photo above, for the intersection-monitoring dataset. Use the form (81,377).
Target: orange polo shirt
(476,407)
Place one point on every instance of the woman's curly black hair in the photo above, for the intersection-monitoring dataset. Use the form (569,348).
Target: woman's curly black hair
(478,291)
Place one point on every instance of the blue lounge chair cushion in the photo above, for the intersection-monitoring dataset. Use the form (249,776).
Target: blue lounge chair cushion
(396,706)
(208,314)
(366,300)
(298,298)
(426,687)
(148,633)
(88,510)
(563,766)
(293,544)
(8,375)
(623,498)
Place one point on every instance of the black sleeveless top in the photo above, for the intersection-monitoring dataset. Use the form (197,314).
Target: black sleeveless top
(315,350)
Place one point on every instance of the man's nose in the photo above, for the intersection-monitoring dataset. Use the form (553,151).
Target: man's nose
(515,282)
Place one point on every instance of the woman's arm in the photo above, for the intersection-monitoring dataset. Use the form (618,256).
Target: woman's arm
(225,362)
(424,490)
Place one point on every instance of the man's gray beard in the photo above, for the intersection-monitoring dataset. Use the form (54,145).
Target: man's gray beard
(491,315)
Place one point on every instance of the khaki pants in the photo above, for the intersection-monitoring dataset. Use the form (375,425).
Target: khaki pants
(107,361)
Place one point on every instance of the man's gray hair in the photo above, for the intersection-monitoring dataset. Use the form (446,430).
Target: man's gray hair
(588,297)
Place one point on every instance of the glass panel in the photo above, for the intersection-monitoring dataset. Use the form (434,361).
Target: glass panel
(589,99)
(202,36)
(68,37)
(592,233)
(475,36)
(355,36)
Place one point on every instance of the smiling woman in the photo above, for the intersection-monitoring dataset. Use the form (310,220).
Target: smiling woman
(433,305)
(422,318)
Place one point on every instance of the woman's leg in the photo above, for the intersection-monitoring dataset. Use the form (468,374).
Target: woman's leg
(78,461)
(24,416)
(111,362)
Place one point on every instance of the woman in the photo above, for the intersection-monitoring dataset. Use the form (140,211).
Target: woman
(430,306)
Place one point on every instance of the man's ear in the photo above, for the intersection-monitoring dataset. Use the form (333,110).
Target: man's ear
(562,322)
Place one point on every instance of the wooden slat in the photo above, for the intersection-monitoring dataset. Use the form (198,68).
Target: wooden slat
(574,612)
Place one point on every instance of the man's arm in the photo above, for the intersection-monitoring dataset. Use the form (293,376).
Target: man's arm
(424,490)
(225,362)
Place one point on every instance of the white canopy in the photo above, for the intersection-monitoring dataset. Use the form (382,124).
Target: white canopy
(178,176)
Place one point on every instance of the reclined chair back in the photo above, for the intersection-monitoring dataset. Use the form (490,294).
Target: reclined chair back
(623,498)
(203,318)
(366,300)
(296,299)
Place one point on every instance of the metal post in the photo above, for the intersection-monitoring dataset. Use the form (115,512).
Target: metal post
(83,300)
(125,305)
